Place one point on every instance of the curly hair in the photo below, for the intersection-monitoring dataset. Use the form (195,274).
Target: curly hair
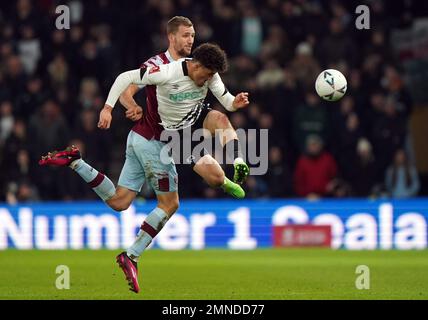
(211,56)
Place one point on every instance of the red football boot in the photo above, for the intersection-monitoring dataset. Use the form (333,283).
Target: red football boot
(61,158)
(129,268)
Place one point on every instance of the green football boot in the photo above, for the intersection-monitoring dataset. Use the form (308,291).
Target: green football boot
(241,172)
(232,188)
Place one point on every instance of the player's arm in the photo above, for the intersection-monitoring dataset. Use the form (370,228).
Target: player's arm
(133,110)
(228,100)
(142,76)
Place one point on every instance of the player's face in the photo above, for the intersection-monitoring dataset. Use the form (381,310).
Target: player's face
(201,75)
(182,40)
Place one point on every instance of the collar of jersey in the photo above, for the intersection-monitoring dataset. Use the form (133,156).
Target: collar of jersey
(184,66)
(169,56)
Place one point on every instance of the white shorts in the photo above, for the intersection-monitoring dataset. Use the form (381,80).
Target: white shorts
(148,159)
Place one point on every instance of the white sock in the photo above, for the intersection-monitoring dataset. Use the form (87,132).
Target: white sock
(100,183)
(149,229)
(238,161)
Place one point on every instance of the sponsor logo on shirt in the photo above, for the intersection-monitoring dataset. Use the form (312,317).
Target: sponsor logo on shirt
(178,97)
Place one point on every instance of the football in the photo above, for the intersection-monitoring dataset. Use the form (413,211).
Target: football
(331,85)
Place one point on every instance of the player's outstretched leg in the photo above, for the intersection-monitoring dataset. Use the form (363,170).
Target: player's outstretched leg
(118,199)
(218,123)
(210,170)
(72,158)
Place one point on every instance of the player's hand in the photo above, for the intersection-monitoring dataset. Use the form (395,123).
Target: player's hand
(241,100)
(134,113)
(105,117)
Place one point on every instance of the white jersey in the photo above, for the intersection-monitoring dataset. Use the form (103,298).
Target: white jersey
(180,100)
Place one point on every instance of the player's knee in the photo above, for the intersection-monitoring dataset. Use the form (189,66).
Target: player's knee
(118,205)
(121,200)
(216,179)
(173,207)
(222,120)
(170,206)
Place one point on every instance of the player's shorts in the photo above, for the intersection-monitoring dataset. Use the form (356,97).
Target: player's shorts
(148,159)
(195,150)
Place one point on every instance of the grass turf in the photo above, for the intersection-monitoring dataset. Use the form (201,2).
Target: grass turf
(217,274)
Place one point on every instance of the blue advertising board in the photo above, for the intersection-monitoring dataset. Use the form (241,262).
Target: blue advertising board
(199,224)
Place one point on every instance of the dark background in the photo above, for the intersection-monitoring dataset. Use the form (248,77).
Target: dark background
(53,84)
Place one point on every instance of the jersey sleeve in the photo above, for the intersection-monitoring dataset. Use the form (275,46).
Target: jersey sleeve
(220,91)
(143,65)
(153,61)
(155,75)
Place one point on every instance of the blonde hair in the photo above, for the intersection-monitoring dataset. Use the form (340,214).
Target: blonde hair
(175,22)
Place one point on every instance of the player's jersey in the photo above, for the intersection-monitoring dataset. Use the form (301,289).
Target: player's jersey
(149,125)
(174,101)
(179,99)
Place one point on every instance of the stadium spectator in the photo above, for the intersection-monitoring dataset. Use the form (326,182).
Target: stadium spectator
(315,170)
(361,171)
(278,178)
(10,168)
(241,73)
(15,76)
(276,46)
(396,91)
(388,132)
(346,139)
(89,97)
(96,142)
(29,48)
(291,21)
(304,66)
(270,76)
(34,95)
(251,29)
(25,15)
(21,192)
(16,140)
(48,129)
(337,45)
(256,187)
(402,179)
(6,120)
(283,101)
(310,118)
(88,63)
(58,71)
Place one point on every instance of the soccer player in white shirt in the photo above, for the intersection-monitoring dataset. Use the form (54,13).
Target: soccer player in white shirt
(142,151)
(181,88)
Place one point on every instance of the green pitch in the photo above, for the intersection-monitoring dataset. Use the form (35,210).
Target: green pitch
(217,274)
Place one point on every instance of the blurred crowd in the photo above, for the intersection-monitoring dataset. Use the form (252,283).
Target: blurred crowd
(53,84)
